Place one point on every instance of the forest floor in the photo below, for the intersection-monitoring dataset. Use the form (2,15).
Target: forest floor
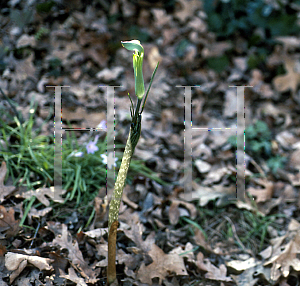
(166,235)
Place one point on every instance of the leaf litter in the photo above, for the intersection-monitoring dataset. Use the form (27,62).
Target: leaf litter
(155,244)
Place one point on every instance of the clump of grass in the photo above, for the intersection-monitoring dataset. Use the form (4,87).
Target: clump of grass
(29,158)
(248,230)
(27,155)
(258,145)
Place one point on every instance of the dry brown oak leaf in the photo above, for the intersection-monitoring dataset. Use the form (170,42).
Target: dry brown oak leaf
(162,266)
(8,225)
(291,80)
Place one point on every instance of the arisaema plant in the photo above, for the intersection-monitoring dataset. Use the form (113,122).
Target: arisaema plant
(133,138)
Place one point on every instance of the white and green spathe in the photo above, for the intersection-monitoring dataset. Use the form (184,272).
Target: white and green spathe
(138,57)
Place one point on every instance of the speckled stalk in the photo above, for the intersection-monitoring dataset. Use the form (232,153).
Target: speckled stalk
(114,205)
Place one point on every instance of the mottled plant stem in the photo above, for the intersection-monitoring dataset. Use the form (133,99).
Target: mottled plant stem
(114,207)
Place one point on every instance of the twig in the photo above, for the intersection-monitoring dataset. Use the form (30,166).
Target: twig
(236,236)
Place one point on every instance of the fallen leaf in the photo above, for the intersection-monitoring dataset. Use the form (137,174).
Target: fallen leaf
(96,233)
(26,41)
(291,80)
(249,276)
(213,272)
(135,234)
(161,17)
(200,239)
(73,277)
(202,166)
(74,254)
(108,75)
(290,43)
(26,68)
(240,265)
(185,10)
(41,194)
(198,24)
(286,139)
(13,260)
(60,263)
(8,224)
(17,271)
(38,213)
(264,194)
(215,174)
(162,266)
(206,194)
(88,119)
(17,262)
(294,161)
(154,57)
(216,49)
(175,212)
(259,85)
(285,252)
(102,252)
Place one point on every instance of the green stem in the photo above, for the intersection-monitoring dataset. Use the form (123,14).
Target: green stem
(114,205)
(137,109)
(27,209)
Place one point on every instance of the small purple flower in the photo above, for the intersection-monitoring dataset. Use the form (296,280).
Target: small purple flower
(91,147)
(109,160)
(102,125)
